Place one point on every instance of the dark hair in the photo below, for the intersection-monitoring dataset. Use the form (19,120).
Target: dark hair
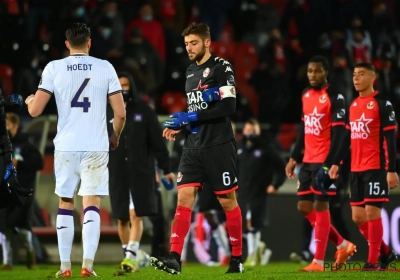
(320,59)
(200,29)
(77,34)
(365,65)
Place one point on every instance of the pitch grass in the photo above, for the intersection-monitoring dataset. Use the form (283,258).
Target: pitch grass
(195,271)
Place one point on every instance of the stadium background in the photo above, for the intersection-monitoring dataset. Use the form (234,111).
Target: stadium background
(267,41)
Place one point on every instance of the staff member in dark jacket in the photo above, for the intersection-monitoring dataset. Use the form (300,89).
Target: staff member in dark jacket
(133,190)
(260,174)
(27,160)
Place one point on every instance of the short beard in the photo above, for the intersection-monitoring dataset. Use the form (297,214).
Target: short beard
(200,55)
(320,86)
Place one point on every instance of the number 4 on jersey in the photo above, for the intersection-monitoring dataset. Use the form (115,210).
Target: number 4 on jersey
(85,104)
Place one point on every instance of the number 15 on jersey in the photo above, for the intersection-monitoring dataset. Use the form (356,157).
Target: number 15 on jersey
(85,104)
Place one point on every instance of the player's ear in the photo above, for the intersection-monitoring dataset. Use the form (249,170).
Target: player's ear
(373,77)
(89,43)
(207,43)
(67,44)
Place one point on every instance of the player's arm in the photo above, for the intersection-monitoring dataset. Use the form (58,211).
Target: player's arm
(38,101)
(224,108)
(338,131)
(297,152)
(117,102)
(388,123)
(227,90)
(157,142)
(278,165)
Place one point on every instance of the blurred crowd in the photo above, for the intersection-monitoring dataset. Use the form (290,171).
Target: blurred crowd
(144,38)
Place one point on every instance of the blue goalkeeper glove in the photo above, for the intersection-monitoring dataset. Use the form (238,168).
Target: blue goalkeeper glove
(10,169)
(322,176)
(178,120)
(211,94)
(15,100)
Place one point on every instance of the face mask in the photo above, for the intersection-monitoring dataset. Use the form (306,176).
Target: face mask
(110,15)
(126,94)
(34,63)
(80,12)
(106,33)
(249,137)
(147,18)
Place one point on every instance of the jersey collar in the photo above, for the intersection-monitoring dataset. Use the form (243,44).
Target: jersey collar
(79,54)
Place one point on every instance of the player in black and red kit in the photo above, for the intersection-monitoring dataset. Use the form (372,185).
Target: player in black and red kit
(209,152)
(321,132)
(372,126)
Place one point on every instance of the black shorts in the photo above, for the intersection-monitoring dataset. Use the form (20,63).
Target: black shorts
(368,186)
(214,166)
(119,198)
(254,210)
(306,187)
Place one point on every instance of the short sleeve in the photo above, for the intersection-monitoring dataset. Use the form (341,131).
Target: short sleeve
(114,86)
(46,80)
(226,79)
(338,110)
(388,117)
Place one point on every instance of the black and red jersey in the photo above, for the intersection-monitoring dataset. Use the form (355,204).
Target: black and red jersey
(369,118)
(322,110)
(214,73)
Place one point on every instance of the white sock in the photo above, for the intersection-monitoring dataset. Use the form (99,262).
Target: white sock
(26,236)
(221,238)
(65,236)
(7,250)
(124,246)
(250,244)
(131,249)
(257,239)
(319,262)
(342,245)
(90,235)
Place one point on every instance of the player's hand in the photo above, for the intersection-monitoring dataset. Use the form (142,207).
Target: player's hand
(211,94)
(178,120)
(271,189)
(170,177)
(29,98)
(170,134)
(392,179)
(15,162)
(290,169)
(114,141)
(334,172)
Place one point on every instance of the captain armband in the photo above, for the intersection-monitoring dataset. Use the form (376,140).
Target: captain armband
(227,91)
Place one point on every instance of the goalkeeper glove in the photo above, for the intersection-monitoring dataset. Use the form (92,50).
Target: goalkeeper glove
(322,176)
(211,94)
(178,120)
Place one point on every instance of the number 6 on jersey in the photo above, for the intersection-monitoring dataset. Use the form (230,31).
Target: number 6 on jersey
(85,104)
(226,179)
